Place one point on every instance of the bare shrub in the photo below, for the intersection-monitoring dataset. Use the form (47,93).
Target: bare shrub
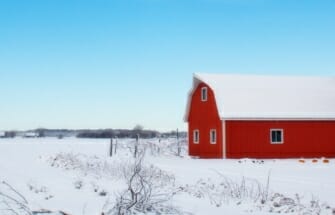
(225,191)
(87,165)
(168,146)
(148,190)
(78,184)
(279,203)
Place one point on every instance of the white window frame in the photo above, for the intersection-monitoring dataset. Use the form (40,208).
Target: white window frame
(204,94)
(196,140)
(210,136)
(282,135)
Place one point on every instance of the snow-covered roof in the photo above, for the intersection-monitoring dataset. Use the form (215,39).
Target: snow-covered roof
(270,97)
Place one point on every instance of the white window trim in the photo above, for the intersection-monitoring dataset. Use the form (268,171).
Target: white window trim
(194,139)
(204,94)
(210,136)
(282,135)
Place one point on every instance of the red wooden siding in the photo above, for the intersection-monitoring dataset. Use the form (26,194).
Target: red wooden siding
(203,115)
(301,139)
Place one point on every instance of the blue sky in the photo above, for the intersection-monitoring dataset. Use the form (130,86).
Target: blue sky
(118,63)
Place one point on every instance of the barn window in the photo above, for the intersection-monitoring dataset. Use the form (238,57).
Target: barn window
(212,135)
(196,136)
(277,136)
(204,94)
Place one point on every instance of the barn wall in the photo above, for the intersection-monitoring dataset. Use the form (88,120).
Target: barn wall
(204,116)
(301,139)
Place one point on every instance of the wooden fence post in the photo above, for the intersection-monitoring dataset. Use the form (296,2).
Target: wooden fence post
(111,148)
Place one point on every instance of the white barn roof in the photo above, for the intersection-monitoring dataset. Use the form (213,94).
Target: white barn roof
(270,97)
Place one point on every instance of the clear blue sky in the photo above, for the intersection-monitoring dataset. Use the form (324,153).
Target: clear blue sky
(118,63)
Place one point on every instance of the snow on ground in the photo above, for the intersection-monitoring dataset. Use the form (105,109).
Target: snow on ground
(25,163)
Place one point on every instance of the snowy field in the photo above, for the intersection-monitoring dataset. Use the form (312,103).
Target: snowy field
(78,177)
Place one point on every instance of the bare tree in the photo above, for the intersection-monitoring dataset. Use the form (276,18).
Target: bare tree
(138,128)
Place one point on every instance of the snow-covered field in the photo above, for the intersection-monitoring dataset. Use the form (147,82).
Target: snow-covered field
(77,176)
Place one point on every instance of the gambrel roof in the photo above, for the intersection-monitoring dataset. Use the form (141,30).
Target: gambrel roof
(270,97)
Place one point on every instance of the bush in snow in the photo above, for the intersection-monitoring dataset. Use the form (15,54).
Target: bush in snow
(148,191)
(78,184)
(38,189)
(279,203)
(168,146)
(226,191)
(87,165)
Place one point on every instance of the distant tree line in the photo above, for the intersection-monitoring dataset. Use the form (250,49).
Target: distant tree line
(10,134)
(98,133)
(119,133)
(181,134)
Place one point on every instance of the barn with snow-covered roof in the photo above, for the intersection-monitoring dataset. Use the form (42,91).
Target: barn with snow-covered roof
(235,116)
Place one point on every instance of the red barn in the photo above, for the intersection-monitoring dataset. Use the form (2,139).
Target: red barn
(235,116)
